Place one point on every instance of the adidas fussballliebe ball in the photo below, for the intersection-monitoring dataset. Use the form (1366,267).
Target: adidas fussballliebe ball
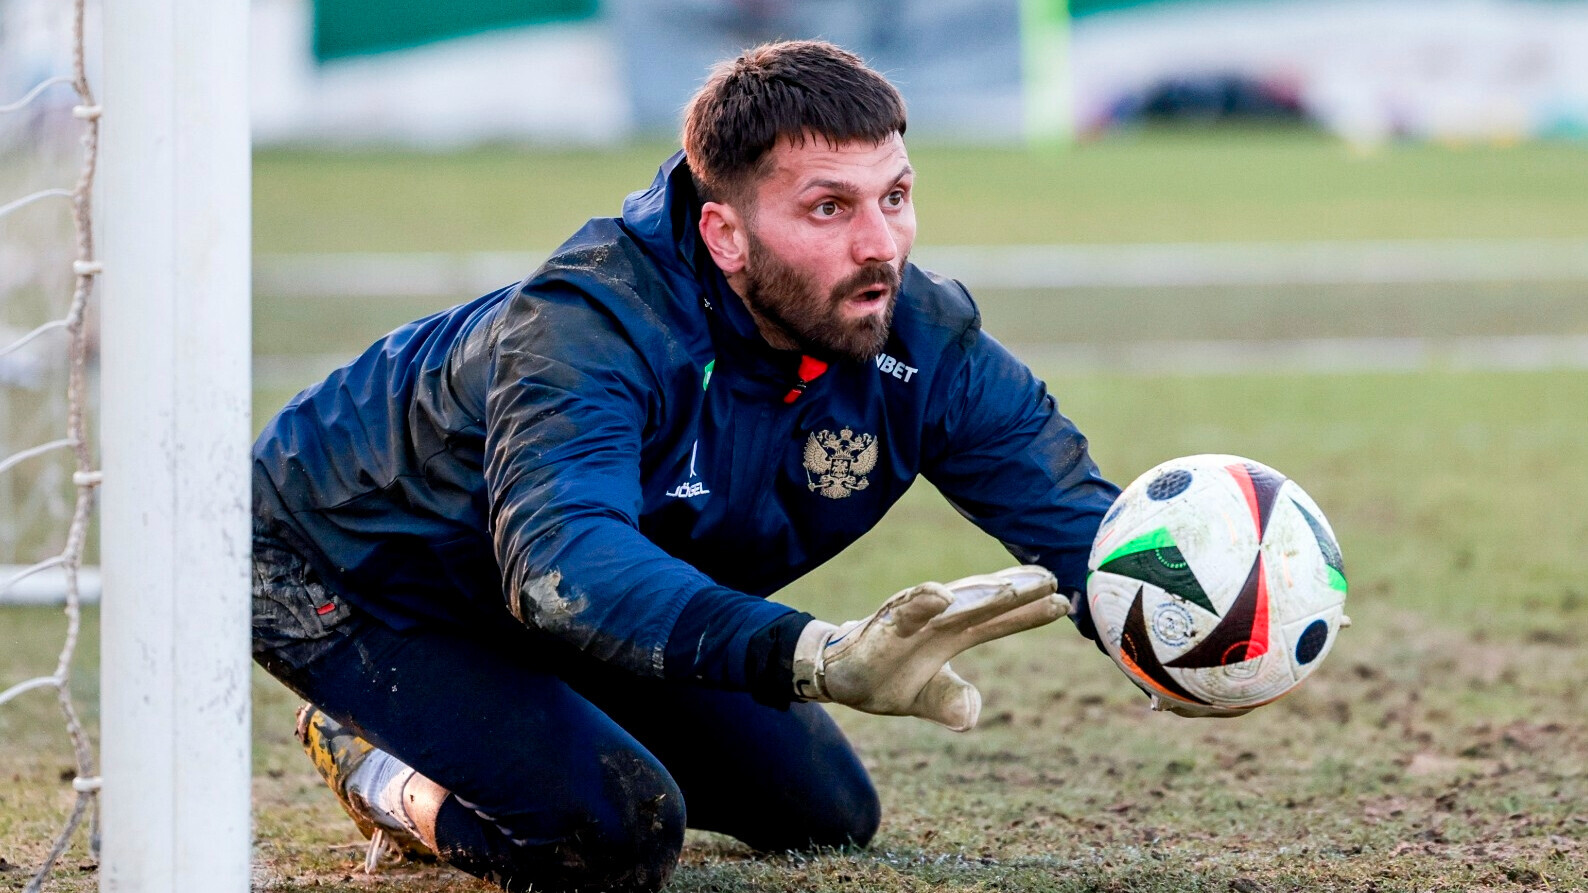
(1216,584)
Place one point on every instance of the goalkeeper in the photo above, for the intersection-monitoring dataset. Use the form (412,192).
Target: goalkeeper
(517,555)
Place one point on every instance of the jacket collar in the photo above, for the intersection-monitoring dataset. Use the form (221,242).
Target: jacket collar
(665,218)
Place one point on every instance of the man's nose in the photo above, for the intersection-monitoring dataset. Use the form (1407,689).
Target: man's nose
(873,239)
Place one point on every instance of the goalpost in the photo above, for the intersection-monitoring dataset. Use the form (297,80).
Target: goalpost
(175,439)
(173,282)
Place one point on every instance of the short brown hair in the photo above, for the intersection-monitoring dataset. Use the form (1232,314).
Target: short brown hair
(782,89)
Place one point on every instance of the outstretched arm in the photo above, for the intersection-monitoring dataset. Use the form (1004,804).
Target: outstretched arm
(1014,465)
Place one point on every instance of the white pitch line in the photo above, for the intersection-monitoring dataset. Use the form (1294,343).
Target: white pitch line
(1257,263)
(466,274)
(1314,355)
(374,274)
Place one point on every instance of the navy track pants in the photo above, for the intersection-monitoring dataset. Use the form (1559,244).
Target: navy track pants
(566,774)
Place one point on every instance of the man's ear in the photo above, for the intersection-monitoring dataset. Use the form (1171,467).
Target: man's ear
(722,228)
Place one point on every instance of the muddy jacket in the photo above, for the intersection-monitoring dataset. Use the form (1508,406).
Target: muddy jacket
(611,439)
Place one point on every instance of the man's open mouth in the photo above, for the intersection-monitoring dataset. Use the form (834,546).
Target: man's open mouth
(873,295)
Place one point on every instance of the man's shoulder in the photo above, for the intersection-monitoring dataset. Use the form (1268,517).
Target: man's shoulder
(605,258)
(600,254)
(603,282)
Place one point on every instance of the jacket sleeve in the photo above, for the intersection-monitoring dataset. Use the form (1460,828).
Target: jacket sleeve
(569,400)
(1004,455)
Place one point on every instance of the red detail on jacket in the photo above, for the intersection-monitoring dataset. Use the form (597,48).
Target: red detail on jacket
(810,370)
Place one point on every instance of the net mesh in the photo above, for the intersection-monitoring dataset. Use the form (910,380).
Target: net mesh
(25,374)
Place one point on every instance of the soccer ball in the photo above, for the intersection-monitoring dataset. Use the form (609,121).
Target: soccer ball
(1216,584)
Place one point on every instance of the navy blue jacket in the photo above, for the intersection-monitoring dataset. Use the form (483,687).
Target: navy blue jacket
(598,446)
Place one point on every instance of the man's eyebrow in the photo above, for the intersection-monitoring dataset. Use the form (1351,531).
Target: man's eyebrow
(848,187)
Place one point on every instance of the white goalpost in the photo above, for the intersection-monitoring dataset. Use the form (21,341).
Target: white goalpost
(170,797)
(175,180)
(166,157)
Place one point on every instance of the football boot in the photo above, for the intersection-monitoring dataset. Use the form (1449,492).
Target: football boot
(337,753)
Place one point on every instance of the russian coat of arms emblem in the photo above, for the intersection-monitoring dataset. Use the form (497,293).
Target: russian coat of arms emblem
(836,465)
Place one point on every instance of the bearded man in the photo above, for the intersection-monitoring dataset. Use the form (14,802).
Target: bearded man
(517,555)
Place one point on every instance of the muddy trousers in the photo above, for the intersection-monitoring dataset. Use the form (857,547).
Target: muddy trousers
(579,777)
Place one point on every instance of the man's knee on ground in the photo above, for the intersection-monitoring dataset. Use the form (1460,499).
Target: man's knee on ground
(852,814)
(640,848)
(843,810)
(626,836)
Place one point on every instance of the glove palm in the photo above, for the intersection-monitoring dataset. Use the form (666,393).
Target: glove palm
(895,662)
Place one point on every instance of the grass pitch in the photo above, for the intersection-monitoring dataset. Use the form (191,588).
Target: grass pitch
(1442,746)
(1158,186)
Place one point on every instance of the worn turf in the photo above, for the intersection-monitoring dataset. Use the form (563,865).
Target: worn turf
(1442,746)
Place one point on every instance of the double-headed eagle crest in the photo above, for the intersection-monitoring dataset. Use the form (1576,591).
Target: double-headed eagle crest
(837,464)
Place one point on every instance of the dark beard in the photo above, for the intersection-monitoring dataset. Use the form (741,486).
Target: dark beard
(790,300)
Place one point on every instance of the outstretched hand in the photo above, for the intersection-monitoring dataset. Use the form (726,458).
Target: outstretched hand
(895,662)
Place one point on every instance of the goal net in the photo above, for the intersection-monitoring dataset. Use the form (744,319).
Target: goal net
(124,380)
(48,474)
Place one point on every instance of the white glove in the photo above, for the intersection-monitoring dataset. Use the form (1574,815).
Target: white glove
(895,662)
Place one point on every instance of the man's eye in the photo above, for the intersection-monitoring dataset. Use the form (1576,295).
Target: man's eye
(827,209)
(895,198)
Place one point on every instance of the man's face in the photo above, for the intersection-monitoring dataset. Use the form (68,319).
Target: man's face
(831,229)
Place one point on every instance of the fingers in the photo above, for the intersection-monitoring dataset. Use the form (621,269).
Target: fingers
(980,598)
(915,607)
(1028,577)
(1043,611)
(948,700)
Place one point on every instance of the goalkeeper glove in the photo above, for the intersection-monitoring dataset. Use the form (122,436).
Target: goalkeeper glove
(895,662)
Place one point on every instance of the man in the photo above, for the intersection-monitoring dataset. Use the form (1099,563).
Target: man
(517,553)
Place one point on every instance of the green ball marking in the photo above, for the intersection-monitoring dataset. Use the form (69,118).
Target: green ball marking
(1171,558)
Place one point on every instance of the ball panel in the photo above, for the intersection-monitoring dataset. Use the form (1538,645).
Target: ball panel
(1154,558)
(1205,548)
(1319,632)
(1301,578)
(1133,509)
(1212,527)
(1326,544)
(1260,485)
(1135,622)
(1138,656)
(1247,684)
(1243,633)
(1311,643)
(1169,484)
